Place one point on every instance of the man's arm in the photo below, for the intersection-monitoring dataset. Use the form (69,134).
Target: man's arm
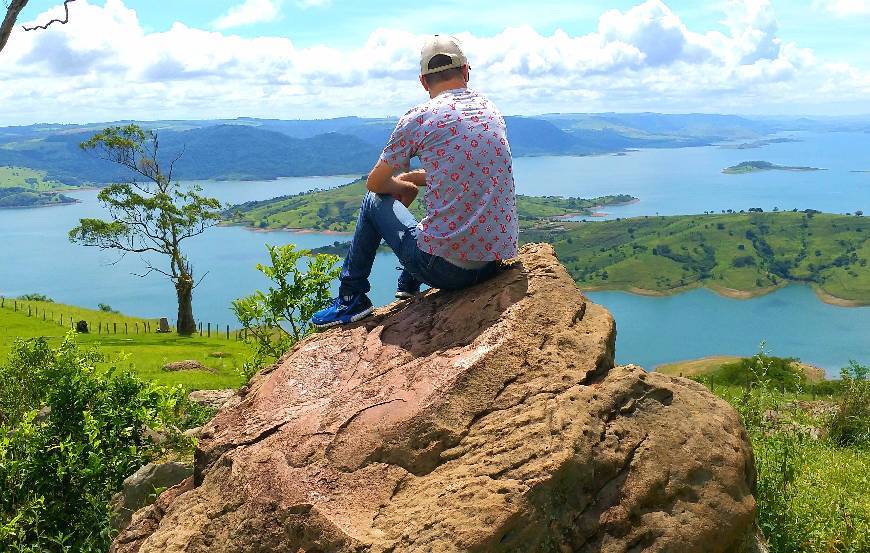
(402,187)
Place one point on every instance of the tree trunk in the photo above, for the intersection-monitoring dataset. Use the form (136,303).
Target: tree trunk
(184,289)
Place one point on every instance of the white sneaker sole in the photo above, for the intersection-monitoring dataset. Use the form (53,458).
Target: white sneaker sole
(355,318)
(404,295)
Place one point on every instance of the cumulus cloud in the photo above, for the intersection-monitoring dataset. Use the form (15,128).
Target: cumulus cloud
(105,66)
(248,13)
(845,8)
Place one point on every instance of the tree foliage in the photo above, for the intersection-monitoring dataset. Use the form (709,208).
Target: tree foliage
(150,215)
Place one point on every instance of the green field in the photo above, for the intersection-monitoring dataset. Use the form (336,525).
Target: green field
(22,177)
(336,209)
(740,254)
(125,341)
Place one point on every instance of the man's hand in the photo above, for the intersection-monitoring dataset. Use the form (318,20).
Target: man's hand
(418,177)
(406,193)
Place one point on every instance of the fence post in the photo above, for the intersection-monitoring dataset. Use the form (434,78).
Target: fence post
(16,306)
(125,329)
(115,327)
(200,328)
(228,332)
(29,313)
(209,330)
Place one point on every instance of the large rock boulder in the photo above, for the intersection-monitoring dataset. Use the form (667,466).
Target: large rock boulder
(489,419)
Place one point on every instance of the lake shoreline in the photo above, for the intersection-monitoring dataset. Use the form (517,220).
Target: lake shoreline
(831,299)
(730,293)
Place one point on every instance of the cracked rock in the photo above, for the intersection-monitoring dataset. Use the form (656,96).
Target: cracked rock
(488,419)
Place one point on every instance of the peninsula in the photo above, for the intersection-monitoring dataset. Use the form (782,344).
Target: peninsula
(758,166)
(739,255)
(757,143)
(23,197)
(335,210)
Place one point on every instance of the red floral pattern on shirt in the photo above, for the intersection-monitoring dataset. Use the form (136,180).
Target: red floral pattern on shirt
(470,201)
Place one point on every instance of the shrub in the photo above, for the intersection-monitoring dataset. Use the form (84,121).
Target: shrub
(69,435)
(777,372)
(850,424)
(279,317)
(36,297)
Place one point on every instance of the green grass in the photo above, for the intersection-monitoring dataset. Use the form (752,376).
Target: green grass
(740,253)
(811,486)
(22,177)
(336,209)
(145,354)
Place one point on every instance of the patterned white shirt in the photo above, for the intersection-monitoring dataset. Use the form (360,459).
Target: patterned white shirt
(470,200)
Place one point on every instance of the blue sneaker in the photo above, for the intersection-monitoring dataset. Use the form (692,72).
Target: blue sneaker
(343,310)
(408,286)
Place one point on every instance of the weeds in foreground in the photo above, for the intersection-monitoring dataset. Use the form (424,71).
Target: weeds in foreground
(812,460)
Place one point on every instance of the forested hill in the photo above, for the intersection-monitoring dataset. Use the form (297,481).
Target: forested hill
(255,149)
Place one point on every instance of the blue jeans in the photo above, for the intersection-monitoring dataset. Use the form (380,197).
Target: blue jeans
(384,217)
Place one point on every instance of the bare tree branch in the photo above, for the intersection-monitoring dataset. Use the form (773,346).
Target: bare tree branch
(63,21)
(12,11)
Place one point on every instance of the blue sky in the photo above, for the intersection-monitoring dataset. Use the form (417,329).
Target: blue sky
(298,58)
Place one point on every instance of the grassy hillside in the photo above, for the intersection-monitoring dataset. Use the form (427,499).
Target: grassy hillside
(22,177)
(336,209)
(739,254)
(146,353)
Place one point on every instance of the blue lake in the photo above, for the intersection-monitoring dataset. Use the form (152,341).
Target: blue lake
(35,255)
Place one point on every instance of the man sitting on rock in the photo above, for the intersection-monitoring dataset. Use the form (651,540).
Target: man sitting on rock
(470,220)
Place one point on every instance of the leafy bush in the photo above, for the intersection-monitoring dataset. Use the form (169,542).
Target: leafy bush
(279,317)
(776,372)
(105,308)
(69,435)
(36,297)
(850,425)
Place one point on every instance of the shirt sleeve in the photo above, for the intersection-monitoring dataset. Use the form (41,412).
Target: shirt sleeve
(401,147)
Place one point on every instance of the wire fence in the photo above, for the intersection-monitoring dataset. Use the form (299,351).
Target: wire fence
(92,322)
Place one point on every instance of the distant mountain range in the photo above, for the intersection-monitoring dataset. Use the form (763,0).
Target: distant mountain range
(255,149)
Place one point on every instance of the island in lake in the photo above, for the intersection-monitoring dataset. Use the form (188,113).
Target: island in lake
(757,166)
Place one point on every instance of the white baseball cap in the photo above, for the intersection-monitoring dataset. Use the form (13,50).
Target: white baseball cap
(441,45)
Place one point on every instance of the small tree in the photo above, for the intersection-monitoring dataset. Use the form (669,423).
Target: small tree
(279,317)
(151,214)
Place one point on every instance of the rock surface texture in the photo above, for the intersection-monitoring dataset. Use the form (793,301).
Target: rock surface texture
(490,419)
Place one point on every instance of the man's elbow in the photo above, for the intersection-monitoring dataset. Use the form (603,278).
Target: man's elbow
(375,182)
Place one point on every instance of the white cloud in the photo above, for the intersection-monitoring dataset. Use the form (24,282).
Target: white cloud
(249,12)
(314,3)
(104,66)
(845,8)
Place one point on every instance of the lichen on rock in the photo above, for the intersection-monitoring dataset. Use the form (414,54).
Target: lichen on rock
(487,419)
